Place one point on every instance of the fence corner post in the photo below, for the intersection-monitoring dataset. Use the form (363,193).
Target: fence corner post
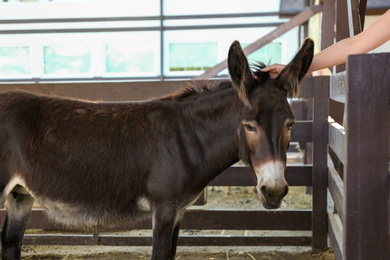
(320,166)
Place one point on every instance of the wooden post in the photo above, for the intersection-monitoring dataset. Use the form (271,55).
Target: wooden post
(354,18)
(366,227)
(327,26)
(342,28)
(320,167)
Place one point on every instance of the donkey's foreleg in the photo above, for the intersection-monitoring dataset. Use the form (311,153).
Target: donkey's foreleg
(18,208)
(175,237)
(165,233)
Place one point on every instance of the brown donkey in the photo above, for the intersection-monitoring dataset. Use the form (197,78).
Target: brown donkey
(90,163)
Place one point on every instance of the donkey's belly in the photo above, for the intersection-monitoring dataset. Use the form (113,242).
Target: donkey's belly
(76,215)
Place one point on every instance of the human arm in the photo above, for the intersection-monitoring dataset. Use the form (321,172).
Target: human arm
(375,35)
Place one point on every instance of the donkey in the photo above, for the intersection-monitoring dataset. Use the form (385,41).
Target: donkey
(95,163)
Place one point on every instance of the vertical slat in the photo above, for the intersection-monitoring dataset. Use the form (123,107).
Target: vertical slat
(362,12)
(320,170)
(354,21)
(335,236)
(327,26)
(342,29)
(367,150)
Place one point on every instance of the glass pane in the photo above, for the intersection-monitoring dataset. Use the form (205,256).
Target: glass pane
(192,56)
(14,60)
(180,7)
(130,58)
(269,54)
(78,9)
(70,59)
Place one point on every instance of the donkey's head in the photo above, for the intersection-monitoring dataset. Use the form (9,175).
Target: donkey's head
(267,118)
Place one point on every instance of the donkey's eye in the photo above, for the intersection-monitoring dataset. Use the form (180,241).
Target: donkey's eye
(249,127)
(289,125)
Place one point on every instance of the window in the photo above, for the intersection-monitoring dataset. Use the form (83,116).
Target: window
(269,54)
(14,61)
(168,39)
(192,56)
(67,59)
(122,58)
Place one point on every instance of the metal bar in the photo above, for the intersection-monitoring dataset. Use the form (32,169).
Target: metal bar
(132,18)
(136,29)
(162,56)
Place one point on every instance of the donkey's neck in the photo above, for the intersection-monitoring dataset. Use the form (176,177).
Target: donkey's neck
(214,119)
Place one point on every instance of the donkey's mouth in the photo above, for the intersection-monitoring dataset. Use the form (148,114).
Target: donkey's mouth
(273,205)
(270,203)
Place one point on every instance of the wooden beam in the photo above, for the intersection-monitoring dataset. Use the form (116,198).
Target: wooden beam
(342,29)
(327,25)
(337,139)
(112,239)
(335,236)
(320,167)
(214,219)
(299,19)
(296,175)
(336,189)
(338,87)
(362,12)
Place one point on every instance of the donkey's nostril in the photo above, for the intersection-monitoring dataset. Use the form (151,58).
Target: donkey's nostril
(285,191)
(263,190)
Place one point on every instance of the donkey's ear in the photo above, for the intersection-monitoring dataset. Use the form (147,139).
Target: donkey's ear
(240,72)
(294,72)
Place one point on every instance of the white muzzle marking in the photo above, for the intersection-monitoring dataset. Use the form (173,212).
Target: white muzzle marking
(270,175)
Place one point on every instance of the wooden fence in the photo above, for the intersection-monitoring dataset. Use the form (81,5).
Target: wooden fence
(314,175)
(359,168)
(355,172)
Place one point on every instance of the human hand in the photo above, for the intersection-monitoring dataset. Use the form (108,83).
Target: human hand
(274,70)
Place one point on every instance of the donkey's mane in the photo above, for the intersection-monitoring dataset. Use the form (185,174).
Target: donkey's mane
(195,88)
(258,74)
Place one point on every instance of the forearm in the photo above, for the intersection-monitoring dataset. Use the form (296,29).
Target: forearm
(336,54)
(372,37)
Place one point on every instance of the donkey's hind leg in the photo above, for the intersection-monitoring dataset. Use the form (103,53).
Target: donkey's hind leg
(18,208)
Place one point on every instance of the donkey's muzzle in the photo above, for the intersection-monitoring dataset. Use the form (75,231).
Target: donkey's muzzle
(271,186)
(272,197)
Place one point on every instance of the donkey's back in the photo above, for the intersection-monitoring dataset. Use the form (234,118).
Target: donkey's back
(75,158)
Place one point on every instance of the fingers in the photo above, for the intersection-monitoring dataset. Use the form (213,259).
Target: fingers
(274,70)
(267,69)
